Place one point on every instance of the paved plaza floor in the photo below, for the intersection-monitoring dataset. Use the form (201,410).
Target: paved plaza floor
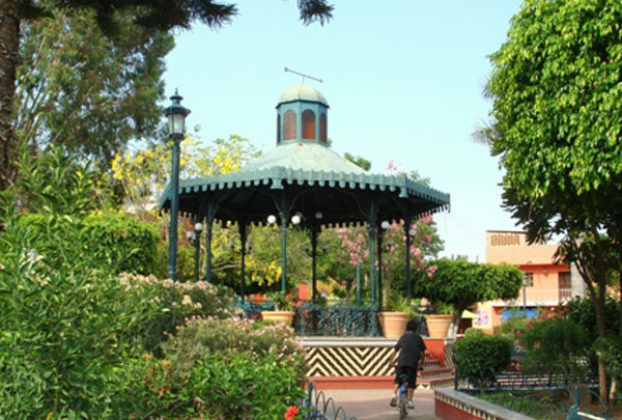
(373,404)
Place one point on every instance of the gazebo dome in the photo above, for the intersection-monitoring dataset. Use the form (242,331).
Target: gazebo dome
(303,93)
(302,116)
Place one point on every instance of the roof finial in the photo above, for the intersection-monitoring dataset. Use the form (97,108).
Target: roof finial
(303,75)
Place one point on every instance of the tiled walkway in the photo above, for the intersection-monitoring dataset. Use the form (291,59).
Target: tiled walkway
(373,404)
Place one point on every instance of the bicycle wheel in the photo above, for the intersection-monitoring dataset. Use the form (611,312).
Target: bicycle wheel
(403,406)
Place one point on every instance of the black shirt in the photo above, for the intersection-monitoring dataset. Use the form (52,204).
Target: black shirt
(412,345)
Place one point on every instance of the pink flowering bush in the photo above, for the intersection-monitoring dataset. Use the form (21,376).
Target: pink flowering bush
(351,247)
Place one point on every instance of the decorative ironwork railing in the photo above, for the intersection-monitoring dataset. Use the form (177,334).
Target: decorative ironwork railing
(489,381)
(318,407)
(336,320)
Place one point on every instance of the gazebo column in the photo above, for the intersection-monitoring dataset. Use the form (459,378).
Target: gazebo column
(407,222)
(284,209)
(210,211)
(242,229)
(372,221)
(379,238)
(314,233)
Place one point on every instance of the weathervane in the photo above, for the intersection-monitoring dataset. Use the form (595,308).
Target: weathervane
(303,75)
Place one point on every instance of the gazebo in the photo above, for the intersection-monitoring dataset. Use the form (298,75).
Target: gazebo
(303,183)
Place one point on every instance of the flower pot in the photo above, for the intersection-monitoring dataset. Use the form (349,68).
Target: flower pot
(438,325)
(283,317)
(393,324)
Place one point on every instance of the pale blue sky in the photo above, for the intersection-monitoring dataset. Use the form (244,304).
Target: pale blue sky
(403,84)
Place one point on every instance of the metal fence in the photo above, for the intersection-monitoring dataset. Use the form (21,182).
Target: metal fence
(563,400)
(336,320)
(318,407)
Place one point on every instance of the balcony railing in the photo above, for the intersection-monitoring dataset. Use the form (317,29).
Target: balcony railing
(565,294)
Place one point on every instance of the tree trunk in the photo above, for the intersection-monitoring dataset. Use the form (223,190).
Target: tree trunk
(9,55)
(599,304)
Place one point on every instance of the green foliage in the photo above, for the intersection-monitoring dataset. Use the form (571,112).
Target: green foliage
(230,336)
(581,311)
(66,323)
(95,94)
(555,86)
(511,326)
(236,369)
(242,386)
(554,344)
(462,283)
(139,388)
(55,182)
(474,332)
(609,350)
(282,301)
(480,357)
(177,303)
(359,161)
(119,240)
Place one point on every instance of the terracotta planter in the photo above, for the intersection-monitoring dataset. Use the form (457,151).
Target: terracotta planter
(438,325)
(393,324)
(283,317)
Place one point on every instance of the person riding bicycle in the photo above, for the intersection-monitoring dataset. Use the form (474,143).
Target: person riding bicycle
(410,359)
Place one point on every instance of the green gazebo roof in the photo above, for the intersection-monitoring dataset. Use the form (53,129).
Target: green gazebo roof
(311,178)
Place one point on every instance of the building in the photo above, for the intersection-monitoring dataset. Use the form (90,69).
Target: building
(546,285)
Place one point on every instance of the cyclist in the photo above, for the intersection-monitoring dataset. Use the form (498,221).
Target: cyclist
(411,358)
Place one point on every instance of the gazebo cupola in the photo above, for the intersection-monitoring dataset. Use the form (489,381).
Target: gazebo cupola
(301,116)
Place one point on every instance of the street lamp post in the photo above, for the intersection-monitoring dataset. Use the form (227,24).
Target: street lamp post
(176,115)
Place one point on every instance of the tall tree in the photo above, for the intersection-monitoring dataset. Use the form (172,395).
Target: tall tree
(78,89)
(153,14)
(557,125)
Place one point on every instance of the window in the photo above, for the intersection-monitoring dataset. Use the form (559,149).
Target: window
(278,129)
(528,279)
(289,125)
(308,124)
(323,128)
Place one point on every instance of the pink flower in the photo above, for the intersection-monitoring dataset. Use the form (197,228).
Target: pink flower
(517,366)
(536,345)
(518,334)
(431,270)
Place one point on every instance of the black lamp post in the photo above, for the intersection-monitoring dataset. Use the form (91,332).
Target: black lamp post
(176,115)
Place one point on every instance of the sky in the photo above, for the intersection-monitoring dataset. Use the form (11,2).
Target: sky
(403,79)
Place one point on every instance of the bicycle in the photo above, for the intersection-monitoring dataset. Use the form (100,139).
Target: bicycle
(403,397)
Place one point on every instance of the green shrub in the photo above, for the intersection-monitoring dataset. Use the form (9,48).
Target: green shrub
(581,311)
(230,368)
(479,358)
(556,345)
(243,386)
(66,323)
(474,332)
(130,244)
(512,327)
(178,303)
(116,240)
(609,350)
(139,388)
(231,336)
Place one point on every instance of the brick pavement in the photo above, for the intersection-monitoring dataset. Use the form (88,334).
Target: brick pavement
(373,404)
